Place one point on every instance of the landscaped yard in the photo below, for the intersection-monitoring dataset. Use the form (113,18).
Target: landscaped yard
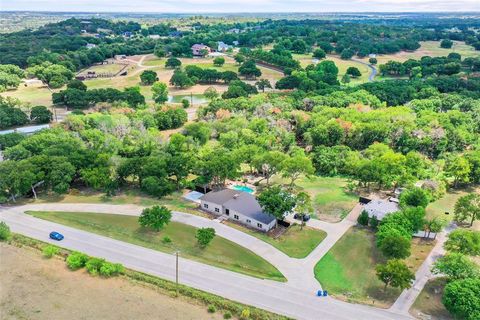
(429,302)
(220,252)
(347,271)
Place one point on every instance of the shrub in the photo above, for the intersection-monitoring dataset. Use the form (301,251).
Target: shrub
(363,218)
(109,269)
(374,222)
(49,251)
(166,240)
(245,314)
(185,103)
(76,260)
(227,315)
(4,231)
(93,265)
(211,308)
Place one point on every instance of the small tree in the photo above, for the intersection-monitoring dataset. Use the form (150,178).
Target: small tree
(160,92)
(173,63)
(204,236)
(76,260)
(148,77)
(155,217)
(50,251)
(456,266)
(319,54)
(374,222)
(468,208)
(262,84)
(363,218)
(185,103)
(4,231)
(446,44)
(276,202)
(462,298)
(464,241)
(304,206)
(395,273)
(239,58)
(393,245)
(346,78)
(373,61)
(354,72)
(219,61)
(40,114)
(415,197)
(211,93)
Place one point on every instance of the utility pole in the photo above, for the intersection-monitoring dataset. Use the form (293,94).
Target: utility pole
(176,272)
(191,99)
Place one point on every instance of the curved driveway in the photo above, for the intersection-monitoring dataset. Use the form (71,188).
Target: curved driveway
(294,298)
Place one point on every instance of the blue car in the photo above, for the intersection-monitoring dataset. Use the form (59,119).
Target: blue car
(56,236)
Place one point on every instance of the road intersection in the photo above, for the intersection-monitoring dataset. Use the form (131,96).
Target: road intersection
(295,298)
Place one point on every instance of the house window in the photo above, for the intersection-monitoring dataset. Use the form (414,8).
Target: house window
(217,210)
(205,206)
(249,221)
(259,225)
(227,212)
(235,216)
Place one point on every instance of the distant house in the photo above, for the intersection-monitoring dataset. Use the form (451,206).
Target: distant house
(234,30)
(83,31)
(380,208)
(120,57)
(154,36)
(127,34)
(235,43)
(223,47)
(91,45)
(372,55)
(198,48)
(238,206)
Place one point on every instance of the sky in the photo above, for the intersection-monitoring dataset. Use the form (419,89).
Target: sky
(199,6)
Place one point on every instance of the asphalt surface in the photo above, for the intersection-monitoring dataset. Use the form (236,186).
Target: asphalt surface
(292,298)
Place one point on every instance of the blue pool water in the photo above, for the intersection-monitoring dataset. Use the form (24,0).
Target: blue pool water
(243,188)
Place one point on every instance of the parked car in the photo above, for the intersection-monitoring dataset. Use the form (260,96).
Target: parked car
(299,217)
(56,236)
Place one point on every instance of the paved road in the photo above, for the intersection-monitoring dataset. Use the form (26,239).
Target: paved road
(406,299)
(373,70)
(291,298)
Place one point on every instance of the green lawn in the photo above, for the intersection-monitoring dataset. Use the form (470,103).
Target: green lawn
(447,204)
(347,271)
(294,242)
(331,199)
(220,252)
(430,301)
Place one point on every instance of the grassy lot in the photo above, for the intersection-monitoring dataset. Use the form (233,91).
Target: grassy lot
(106,68)
(220,252)
(430,301)
(332,202)
(428,48)
(347,271)
(447,204)
(294,242)
(33,94)
(306,59)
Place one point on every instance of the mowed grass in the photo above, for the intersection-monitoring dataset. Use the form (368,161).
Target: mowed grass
(347,271)
(330,197)
(429,301)
(220,252)
(342,65)
(34,95)
(295,243)
(445,204)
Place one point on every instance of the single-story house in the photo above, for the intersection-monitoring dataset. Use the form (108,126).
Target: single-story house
(235,43)
(380,208)
(223,47)
(238,206)
(198,48)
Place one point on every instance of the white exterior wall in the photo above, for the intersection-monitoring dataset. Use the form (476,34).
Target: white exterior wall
(211,207)
(253,223)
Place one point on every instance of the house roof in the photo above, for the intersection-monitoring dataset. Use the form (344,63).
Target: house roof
(241,202)
(380,208)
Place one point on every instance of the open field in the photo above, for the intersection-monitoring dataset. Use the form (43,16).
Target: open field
(428,48)
(447,204)
(105,68)
(220,252)
(36,288)
(429,301)
(347,271)
(342,65)
(34,94)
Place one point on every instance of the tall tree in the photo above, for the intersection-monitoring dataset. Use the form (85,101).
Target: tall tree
(155,217)
(276,202)
(395,273)
(468,208)
(160,92)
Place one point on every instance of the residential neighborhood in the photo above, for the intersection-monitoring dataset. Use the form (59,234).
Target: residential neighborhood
(251,161)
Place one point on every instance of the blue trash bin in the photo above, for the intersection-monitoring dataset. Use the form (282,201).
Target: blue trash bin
(319,293)
(325,293)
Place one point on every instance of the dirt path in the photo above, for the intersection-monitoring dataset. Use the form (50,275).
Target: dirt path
(32,287)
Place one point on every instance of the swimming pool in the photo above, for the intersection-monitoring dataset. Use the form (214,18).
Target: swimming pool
(243,188)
